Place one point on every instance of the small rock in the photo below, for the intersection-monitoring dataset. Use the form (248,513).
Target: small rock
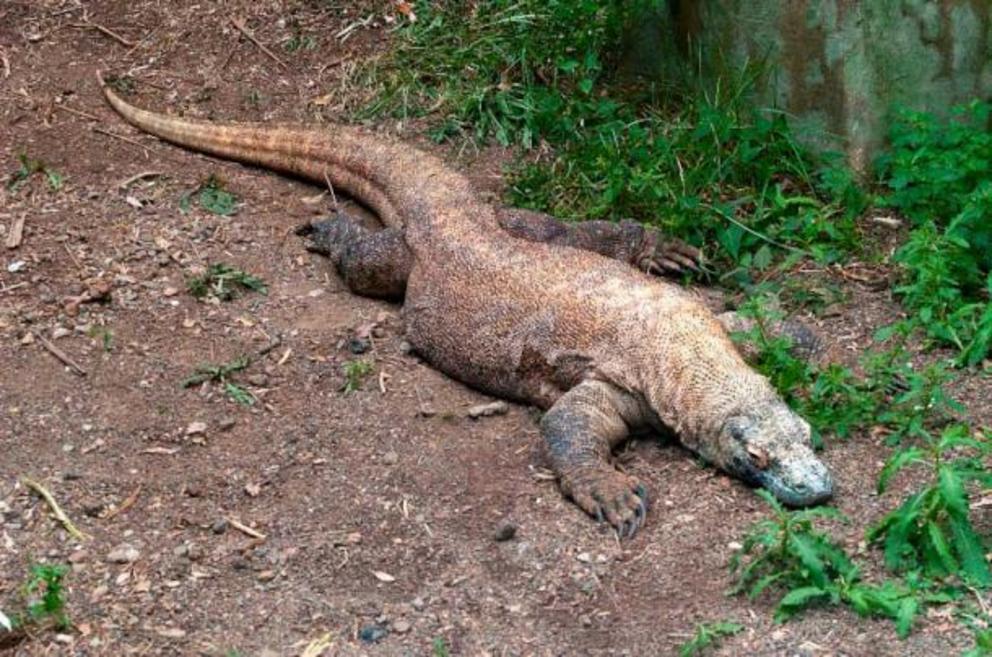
(383,576)
(372,633)
(405,347)
(359,345)
(266,575)
(505,532)
(401,627)
(196,428)
(253,490)
(390,458)
(584,557)
(16,266)
(219,526)
(259,380)
(124,553)
(734,546)
(585,620)
(170,291)
(486,410)
(227,423)
(418,603)
(60,332)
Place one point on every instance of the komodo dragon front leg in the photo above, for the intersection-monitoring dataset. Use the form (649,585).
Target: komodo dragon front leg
(580,431)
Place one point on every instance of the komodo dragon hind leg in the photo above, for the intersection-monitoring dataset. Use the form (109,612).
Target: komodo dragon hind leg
(580,431)
(627,241)
(372,263)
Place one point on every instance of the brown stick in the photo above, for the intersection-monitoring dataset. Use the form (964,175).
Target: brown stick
(56,509)
(122,138)
(61,355)
(71,110)
(240,25)
(126,504)
(107,31)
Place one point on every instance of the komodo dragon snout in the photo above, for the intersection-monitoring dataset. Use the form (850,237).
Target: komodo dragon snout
(769,445)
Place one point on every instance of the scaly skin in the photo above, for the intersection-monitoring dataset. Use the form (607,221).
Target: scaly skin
(602,347)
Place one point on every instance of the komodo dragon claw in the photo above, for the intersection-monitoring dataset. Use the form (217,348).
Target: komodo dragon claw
(668,256)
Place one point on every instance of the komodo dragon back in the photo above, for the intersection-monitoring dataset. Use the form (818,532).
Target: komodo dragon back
(604,348)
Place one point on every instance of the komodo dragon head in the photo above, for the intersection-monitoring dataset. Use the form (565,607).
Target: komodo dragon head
(768,445)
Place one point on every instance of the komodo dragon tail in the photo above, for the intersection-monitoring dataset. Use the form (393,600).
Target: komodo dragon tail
(402,185)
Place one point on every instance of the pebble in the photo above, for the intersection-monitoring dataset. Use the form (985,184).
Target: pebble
(124,553)
(486,410)
(266,575)
(60,332)
(170,291)
(196,428)
(359,345)
(390,458)
(227,423)
(219,526)
(418,603)
(401,627)
(505,532)
(372,633)
(405,347)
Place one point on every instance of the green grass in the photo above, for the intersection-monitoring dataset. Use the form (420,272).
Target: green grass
(224,282)
(213,196)
(43,601)
(28,167)
(707,636)
(222,374)
(706,167)
(355,372)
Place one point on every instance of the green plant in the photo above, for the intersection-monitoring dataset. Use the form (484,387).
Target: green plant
(212,196)
(439,647)
(223,282)
(789,554)
(936,174)
(222,374)
(932,530)
(28,167)
(44,591)
(708,635)
(354,372)
(983,643)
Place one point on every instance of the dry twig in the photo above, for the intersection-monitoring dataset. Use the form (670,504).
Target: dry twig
(61,355)
(106,31)
(73,110)
(245,529)
(56,509)
(122,138)
(239,24)
(125,505)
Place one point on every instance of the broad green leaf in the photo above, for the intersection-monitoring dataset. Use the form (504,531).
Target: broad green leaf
(897,462)
(796,599)
(908,608)
(807,553)
(941,547)
(952,491)
(968,546)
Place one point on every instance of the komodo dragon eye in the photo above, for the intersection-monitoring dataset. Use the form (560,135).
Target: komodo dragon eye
(738,429)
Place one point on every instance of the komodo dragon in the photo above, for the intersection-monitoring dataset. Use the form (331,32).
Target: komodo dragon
(602,347)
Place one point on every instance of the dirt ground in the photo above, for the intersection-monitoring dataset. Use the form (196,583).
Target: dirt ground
(370,516)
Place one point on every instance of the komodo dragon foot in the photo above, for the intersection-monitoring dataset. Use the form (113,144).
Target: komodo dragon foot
(580,431)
